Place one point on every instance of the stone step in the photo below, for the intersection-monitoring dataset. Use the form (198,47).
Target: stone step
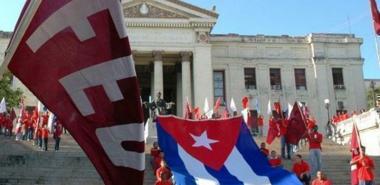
(22,163)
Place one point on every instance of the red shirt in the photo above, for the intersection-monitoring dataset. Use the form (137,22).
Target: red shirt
(274,162)
(155,152)
(283,126)
(156,163)
(315,140)
(365,169)
(260,121)
(45,119)
(321,182)
(44,133)
(8,123)
(58,131)
(301,167)
(265,151)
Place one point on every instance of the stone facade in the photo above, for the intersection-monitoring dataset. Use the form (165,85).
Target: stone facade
(176,54)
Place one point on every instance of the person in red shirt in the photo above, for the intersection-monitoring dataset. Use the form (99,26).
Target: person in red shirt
(39,137)
(154,153)
(57,135)
(260,124)
(264,150)
(321,179)
(315,141)
(286,148)
(301,169)
(274,159)
(2,124)
(163,175)
(365,167)
(45,118)
(45,136)
(157,161)
(8,125)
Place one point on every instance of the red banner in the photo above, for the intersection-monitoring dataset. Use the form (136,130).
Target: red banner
(297,125)
(74,55)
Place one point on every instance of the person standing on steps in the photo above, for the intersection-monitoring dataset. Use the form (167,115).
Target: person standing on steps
(315,141)
(45,136)
(57,135)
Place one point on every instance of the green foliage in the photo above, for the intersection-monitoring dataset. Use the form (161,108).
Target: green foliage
(12,96)
(370,102)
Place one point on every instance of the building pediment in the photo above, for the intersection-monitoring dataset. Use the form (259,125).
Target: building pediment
(164,9)
(167,13)
(147,10)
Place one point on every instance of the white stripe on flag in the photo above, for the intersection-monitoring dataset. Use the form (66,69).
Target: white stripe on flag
(196,169)
(243,171)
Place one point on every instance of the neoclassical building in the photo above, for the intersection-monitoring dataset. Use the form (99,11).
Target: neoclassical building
(177,54)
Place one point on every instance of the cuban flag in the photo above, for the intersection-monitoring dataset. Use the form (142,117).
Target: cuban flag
(213,152)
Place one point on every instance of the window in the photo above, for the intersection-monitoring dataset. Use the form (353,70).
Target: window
(340,105)
(300,78)
(338,78)
(275,78)
(250,78)
(219,87)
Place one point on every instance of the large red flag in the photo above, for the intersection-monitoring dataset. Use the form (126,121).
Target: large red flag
(74,55)
(297,125)
(375,16)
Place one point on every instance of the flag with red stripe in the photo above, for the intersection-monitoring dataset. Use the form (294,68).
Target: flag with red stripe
(74,55)
(375,16)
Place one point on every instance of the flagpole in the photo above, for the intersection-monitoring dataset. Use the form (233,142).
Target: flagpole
(377,49)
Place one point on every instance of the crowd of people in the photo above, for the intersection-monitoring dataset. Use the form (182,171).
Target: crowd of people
(304,170)
(32,126)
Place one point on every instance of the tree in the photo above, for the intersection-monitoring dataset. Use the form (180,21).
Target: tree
(12,96)
(370,97)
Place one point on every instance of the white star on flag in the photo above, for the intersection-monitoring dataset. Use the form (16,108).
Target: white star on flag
(203,140)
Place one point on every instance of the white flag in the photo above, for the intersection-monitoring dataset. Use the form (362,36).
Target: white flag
(244,113)
(3,106)
(206,109)
(269,110)
(39,107)
(290,108)
(146,129)
(233,105)
(50,122)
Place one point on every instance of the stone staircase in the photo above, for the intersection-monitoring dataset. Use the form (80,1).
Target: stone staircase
(335,161)
(23,164)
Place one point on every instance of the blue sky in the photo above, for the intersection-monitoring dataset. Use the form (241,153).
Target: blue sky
(274,17)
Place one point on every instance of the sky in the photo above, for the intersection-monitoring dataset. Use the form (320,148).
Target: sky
(274,17)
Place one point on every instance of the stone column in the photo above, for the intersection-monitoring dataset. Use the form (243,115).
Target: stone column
(186,76)
(158,79)
(202,75)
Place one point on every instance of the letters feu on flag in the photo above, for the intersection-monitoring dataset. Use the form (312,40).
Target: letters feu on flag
(74,55)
